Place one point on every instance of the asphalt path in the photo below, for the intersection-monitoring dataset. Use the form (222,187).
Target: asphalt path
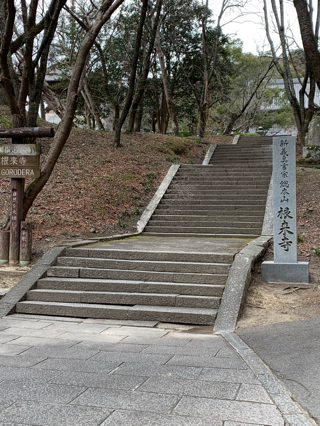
(292,351)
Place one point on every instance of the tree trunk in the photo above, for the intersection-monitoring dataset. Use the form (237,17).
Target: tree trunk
(62,134)
(308,38)
(146,68)
(166,86)
(203,117)
(53,102)
(138,119)
(92,105)
(132,79)
(42,109)
(233,119)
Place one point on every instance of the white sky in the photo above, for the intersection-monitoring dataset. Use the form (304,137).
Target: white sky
(250,28)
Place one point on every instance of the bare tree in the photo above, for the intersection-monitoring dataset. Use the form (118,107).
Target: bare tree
(310,34)
(33,61)
(132,78)
(301,114)
(103,14)
(146,66)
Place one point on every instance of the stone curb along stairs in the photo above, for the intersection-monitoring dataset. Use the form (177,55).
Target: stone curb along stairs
(224,199)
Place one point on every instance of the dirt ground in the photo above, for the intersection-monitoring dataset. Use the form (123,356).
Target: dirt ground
(270,303)
(69,209)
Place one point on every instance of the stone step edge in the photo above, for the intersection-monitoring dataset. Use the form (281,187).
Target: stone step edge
(123,298)
(190,234)
(130,286)
(176,277)
(164,314)
(142,262)
(101,253)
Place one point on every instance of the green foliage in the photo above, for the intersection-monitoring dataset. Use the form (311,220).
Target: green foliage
(148,184)
(184,133)
(177,147)
(300,239)
(317,252)
(172,159)
(317,166)
(4,121)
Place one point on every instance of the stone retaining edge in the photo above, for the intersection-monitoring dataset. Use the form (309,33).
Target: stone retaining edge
(293,414)
(267,227)
(148,212)
(236,140)
(237,284)
(209,154)
(18,292)
(29,281)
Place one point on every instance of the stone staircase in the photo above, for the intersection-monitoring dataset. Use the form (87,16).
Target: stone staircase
(225,198)
(171,273)
(169,284)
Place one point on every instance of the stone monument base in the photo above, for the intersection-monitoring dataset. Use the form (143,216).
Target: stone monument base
(285,272)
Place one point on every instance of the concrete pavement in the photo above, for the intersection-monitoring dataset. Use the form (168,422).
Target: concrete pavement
(292,351)
(58,371)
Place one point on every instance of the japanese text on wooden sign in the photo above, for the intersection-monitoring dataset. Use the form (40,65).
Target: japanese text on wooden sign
(19,161)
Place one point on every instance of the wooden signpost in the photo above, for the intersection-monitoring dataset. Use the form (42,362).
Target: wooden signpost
(19,161)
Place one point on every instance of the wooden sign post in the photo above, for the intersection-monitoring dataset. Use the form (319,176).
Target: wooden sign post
(19,161)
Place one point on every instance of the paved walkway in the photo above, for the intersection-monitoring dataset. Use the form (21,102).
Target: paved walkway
(292,351)
(57,371)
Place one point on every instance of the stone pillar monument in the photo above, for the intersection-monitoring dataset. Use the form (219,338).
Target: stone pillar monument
(285,267)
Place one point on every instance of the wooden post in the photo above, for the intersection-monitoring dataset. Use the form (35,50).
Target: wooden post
(26,243)
(4,247)
(17,192)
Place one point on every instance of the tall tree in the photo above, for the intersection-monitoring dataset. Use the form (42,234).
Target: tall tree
(132,79)
(33,57)
(302,114)
(103,14)
(310,34)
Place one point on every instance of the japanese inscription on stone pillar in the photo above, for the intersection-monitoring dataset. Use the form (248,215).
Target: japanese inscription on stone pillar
(284,187)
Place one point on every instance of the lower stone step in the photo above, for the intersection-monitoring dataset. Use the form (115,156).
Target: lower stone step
(203,230)
(207,235)
(121,298)
(129,286)
(175,277)
(231,219)
(144,265)
(137,312)
(163,256)
(193,223)
(212,210)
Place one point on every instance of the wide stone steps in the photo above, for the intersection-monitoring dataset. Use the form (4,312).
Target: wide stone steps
(219,186)
(123,298)
(163,221)
(167,286)
(138,275)
(130,286)
(222,201)
(206,218)
(210,234)
(159,281)
(234,185)
(119,312)
(143,265)
(181,256)
(185,229)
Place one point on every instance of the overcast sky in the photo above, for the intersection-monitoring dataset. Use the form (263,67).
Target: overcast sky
(250,28)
